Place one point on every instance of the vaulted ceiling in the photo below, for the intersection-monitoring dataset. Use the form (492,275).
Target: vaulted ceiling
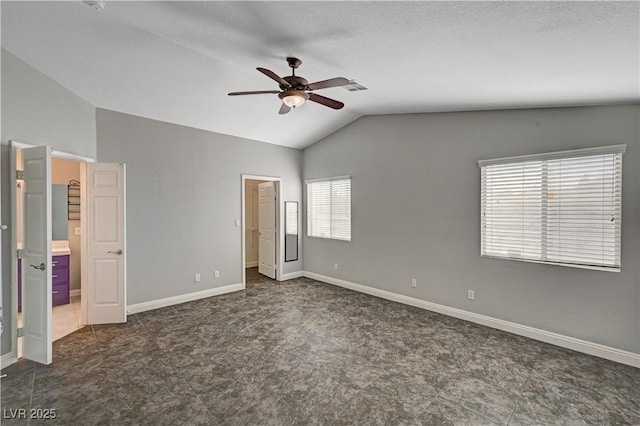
(176,61)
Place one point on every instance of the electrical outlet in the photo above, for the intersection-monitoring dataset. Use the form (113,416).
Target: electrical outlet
(414,283)
(335,266)
(471,295)
(216,274)
(196,278)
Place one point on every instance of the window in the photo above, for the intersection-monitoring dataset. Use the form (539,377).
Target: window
(561,208)
(329,208)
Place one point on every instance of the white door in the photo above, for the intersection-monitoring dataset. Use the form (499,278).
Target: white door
(267,229)
(103,238)
(36,256)
(2,228)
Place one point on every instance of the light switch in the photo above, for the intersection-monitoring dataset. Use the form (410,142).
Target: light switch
(237,223)
(77,231)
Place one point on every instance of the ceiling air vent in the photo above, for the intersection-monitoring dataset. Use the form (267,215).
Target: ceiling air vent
(354,86)
(96,4)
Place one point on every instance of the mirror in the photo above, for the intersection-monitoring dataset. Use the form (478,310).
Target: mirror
(291,231)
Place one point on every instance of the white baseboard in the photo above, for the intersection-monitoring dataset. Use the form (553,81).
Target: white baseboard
(291,275)
(596,349)
(175,300)
(73,293)
(7,359)
(251,264)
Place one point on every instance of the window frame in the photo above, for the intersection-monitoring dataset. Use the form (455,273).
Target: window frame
(309,206)
(577,153)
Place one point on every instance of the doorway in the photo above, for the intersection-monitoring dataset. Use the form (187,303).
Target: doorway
(261,225)
(66,249)
(251,203)
(92,221)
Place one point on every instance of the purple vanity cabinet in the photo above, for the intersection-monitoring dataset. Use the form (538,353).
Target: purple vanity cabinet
(60,280)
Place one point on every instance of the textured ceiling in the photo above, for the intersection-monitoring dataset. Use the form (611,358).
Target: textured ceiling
(176,61)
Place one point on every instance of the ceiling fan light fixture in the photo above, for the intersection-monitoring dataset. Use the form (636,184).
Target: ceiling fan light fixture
(294,98)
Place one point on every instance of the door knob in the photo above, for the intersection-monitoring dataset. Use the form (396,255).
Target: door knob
(118,252)
(41,266)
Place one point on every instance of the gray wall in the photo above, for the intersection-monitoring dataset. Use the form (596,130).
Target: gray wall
(183,195)
(416,214)
(59,205)
(38,111)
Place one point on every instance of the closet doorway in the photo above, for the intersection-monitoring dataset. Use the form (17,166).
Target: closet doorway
(260,225)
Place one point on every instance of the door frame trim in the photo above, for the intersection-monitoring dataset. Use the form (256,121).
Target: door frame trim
(13,147)
(279,223)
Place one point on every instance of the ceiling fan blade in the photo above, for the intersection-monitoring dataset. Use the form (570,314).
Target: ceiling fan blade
(284,109)
(331,103)
(272,75)
(332,82)
(257,92)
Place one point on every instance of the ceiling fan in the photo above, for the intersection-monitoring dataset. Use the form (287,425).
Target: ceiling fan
(294,90)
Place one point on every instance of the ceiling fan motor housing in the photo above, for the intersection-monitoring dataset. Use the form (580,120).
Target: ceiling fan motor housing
(297,83)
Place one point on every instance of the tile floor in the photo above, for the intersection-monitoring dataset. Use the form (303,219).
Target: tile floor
(304,352)
(66,320)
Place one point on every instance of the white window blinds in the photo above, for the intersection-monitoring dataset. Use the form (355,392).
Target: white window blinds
(329,208)
(562,208)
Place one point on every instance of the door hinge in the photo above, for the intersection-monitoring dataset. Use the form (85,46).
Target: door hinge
(19,253)
(20,174)
(20,332)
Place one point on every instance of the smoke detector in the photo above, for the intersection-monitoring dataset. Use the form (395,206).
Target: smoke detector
(96,4)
